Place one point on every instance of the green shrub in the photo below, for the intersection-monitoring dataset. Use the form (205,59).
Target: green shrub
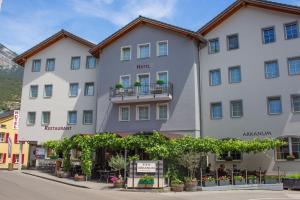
(146,180)
(176,181)
(160,82)
(137,84)
(294,176)
(119,86)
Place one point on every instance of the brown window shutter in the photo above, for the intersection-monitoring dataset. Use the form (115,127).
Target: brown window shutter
(4,158)
(16,138)
(22,158)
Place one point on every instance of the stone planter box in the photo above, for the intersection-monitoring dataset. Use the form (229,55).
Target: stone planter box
(224,182)
(239,182)
(289,183)
(177,188)
(271,180)
(191,186)
(210,183)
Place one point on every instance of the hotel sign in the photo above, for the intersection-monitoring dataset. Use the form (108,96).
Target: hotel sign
(145,66)
(57,128)
(16,119)
(146,167)
(257,133)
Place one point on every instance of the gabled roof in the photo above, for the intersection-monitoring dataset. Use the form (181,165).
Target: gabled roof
(21,59)
(144,20)
(233,8)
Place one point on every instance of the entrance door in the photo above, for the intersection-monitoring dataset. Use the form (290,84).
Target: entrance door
(144,79)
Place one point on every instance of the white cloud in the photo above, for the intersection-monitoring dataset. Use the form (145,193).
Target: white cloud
(122,13)
(1,1)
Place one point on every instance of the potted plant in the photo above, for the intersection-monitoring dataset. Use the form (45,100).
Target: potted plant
(137,86)
(78,177)
(158,88)
(118,182)
(224,180)
(119,88)
(117,163)
(209,181)
(290,158)
(190,184)
(291,181)
(239,180)
(177,185)
(146,182)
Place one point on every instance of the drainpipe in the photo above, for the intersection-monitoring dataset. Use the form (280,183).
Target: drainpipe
(200,91)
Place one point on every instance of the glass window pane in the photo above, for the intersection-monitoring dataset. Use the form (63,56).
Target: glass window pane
(36,65)
(125,80)
(291,31)
(75,63)
(233,42)
(216,110)
(31,118)
(163,76)
(162,48)
(296,147)
(48,90)
(144,51)
(283,151)
(73,89)
(72,117)
(296,103)
(271,69)
(214,46)
(50,64)
(124,115)
(163,111)
(269,35)
(234,74)
(89,89)
(90,62)
(274,105)
(87,117)
(236,109)
(215,77)
(46,118)
(143,112)
(294,66)
(33,91)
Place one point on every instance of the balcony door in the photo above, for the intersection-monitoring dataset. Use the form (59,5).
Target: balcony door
(144,79)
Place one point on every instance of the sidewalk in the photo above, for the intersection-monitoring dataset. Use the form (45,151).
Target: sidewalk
(82,184)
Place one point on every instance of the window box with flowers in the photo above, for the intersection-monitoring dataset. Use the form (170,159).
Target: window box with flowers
(223,180)
(146,182)
(239,180)
(209,181)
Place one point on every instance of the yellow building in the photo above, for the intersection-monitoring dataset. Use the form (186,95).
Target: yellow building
(9,134)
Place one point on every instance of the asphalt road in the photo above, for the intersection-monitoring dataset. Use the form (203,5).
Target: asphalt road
(17,186)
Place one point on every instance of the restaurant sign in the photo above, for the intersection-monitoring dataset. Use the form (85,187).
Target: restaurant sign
(257,133)
(57,128)
(146,167)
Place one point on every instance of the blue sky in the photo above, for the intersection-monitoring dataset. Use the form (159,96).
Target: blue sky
(24,23)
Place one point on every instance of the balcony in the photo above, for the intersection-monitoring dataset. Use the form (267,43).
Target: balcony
(144,93)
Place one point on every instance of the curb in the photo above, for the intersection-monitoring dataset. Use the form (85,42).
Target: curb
(62,182)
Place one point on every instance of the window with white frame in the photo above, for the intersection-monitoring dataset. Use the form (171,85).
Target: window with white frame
(216,110)
(162,111)
(89,89)
(268,35)
(31,118)
(72,117)
(271,69)
(291,30)
(214,77)
(234,155)
(143,112)
(162,76)
(33,91)
(213,46)
(233,42)
(295,102)
(50,64)
(143,50)
(90,62)
(235,74)
(75,63)
(2,137)
(124,113)
(36,65)
(274,106)
(294,66)
(236,108)
(73,92)
(87,117)
(125,81)
(162,48)
(45,117)
(48,91)
(126,53)
(292,147)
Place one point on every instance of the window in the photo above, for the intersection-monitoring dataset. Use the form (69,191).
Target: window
(233,42)
(144,50)
(1,157)
(216,110)
(45,117)
(144,79)
(213,46)
(124,113)
(274,105)
(31,118)
(271,69)
(291,30)
(75,63)
(268,35)
(2,137)
(50,64)
(295,103)
(73,90)
(3,126)
(33,91)
(48,91)
(72,117)
(215,77)
(236,108)
(235,74)
(143,112)
(36,65)
(125,81)
(90,62)
(294,66)
(16,158)
(126,53)
(87,117)
(236,156)
(89,89)
(162,48)
(162,76)
(292,147)
(162,111)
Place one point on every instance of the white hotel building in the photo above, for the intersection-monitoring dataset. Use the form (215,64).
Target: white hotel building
(245,82)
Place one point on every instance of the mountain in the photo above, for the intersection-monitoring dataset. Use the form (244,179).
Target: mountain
(10,80)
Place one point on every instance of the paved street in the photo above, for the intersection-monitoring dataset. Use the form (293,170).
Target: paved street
(17,186)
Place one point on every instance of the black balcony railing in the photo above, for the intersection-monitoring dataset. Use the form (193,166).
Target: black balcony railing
(143,90)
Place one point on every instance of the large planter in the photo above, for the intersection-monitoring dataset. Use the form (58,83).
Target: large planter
(79,178)
(145,186)
(239,182)
(224,182)
(289,183)
(191,186)
(210,183)
(177,187)
(118,184)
